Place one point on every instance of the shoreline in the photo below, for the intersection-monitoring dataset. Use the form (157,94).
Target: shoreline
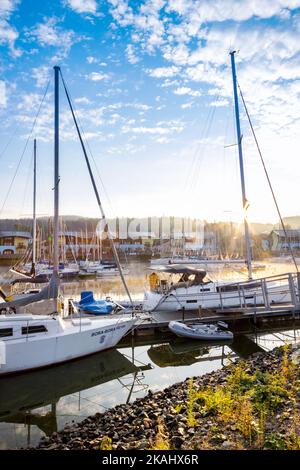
(250,404)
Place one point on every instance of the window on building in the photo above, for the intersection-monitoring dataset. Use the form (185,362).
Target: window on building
(7,241)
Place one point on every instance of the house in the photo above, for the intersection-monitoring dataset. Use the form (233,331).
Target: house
(281,242)
(14,242)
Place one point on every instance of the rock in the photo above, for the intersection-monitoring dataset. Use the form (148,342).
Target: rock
(227,445)
(177,442)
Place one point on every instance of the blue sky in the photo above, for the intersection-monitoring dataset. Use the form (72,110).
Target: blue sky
(151,83)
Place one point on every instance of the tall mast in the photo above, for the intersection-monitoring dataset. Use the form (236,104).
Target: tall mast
(114,250)
(239,139)
(34,212)
(56,171)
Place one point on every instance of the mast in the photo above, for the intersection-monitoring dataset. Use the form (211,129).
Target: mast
(239,139)
(56,171)
(114,250)
(34,212)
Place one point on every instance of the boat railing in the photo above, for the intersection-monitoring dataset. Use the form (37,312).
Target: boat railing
(248,292)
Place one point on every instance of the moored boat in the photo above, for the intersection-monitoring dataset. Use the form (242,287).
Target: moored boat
(204,332)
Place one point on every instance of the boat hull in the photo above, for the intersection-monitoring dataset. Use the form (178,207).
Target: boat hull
(199,333)
(193,298)
(83,338)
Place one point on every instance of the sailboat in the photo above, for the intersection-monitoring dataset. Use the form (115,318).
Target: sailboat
(188,287)
(30,341)
(37,270)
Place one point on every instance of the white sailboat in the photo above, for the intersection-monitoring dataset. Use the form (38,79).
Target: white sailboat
(193,290)
(34,341)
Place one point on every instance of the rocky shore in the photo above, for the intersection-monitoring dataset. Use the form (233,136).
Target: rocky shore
(252,404)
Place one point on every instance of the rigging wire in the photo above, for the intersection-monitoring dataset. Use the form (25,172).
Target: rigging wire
(24,149)
(268,178)
(96,191)
(9,141)
(191,177)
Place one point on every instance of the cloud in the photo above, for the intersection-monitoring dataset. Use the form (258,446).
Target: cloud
(82,100)
(131,55)
(3,95)
(162,128)
(41,75)
(83,6)
(163,72)
(97,76)
(187,105)
(8,34)
(49,33)
(187,91)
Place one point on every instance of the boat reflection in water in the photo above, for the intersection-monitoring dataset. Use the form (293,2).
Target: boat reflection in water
(180,352)
(21,394)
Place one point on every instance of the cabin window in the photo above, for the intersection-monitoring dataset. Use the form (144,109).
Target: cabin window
(6,332)
(205,290)
(191,301)
(27,330)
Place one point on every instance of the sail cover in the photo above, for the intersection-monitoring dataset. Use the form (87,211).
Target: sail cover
(48,292)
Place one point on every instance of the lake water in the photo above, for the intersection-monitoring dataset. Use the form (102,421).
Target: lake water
(37,404)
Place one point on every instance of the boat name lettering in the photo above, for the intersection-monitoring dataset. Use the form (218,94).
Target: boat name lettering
(109,330)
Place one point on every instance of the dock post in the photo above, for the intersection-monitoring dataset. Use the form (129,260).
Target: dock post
(255,308)
(221,300)
(183,312)
(293,293)
(298,286)
(265,293)
(240,299)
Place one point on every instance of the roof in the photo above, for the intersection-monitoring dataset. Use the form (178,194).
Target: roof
(15,234)
(179,269)
(290,233)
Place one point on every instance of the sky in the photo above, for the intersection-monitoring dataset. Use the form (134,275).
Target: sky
(152,88)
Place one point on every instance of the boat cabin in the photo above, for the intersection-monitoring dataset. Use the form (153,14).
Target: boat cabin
(166,278)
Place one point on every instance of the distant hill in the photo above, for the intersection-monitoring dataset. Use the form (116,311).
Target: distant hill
(81,223)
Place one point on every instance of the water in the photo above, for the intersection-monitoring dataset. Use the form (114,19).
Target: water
(37,404)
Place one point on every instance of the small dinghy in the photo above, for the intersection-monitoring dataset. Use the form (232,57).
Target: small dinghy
(201,332)
(88,304)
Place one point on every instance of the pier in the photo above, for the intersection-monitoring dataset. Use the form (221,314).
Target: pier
(248,312)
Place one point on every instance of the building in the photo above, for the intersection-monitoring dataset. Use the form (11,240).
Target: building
(281,242)
(14,243)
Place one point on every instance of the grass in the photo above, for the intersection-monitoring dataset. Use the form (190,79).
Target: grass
(248,401)
(162,437)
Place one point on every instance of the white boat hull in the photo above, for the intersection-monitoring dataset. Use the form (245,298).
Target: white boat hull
(200,332)
(195,297)
(65,340)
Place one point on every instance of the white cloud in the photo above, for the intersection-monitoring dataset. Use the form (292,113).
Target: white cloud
(97,76)
(8,34)
(49,33)
(187,105)
(41,75)
(83,6)
(162,128)
(82,100)
(131,55)
(91,60)
(3,96)
(187,91)
(163,72)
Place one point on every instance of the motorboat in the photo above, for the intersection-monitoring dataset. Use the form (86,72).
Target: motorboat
(206,332)
(177,287)
(100,269)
